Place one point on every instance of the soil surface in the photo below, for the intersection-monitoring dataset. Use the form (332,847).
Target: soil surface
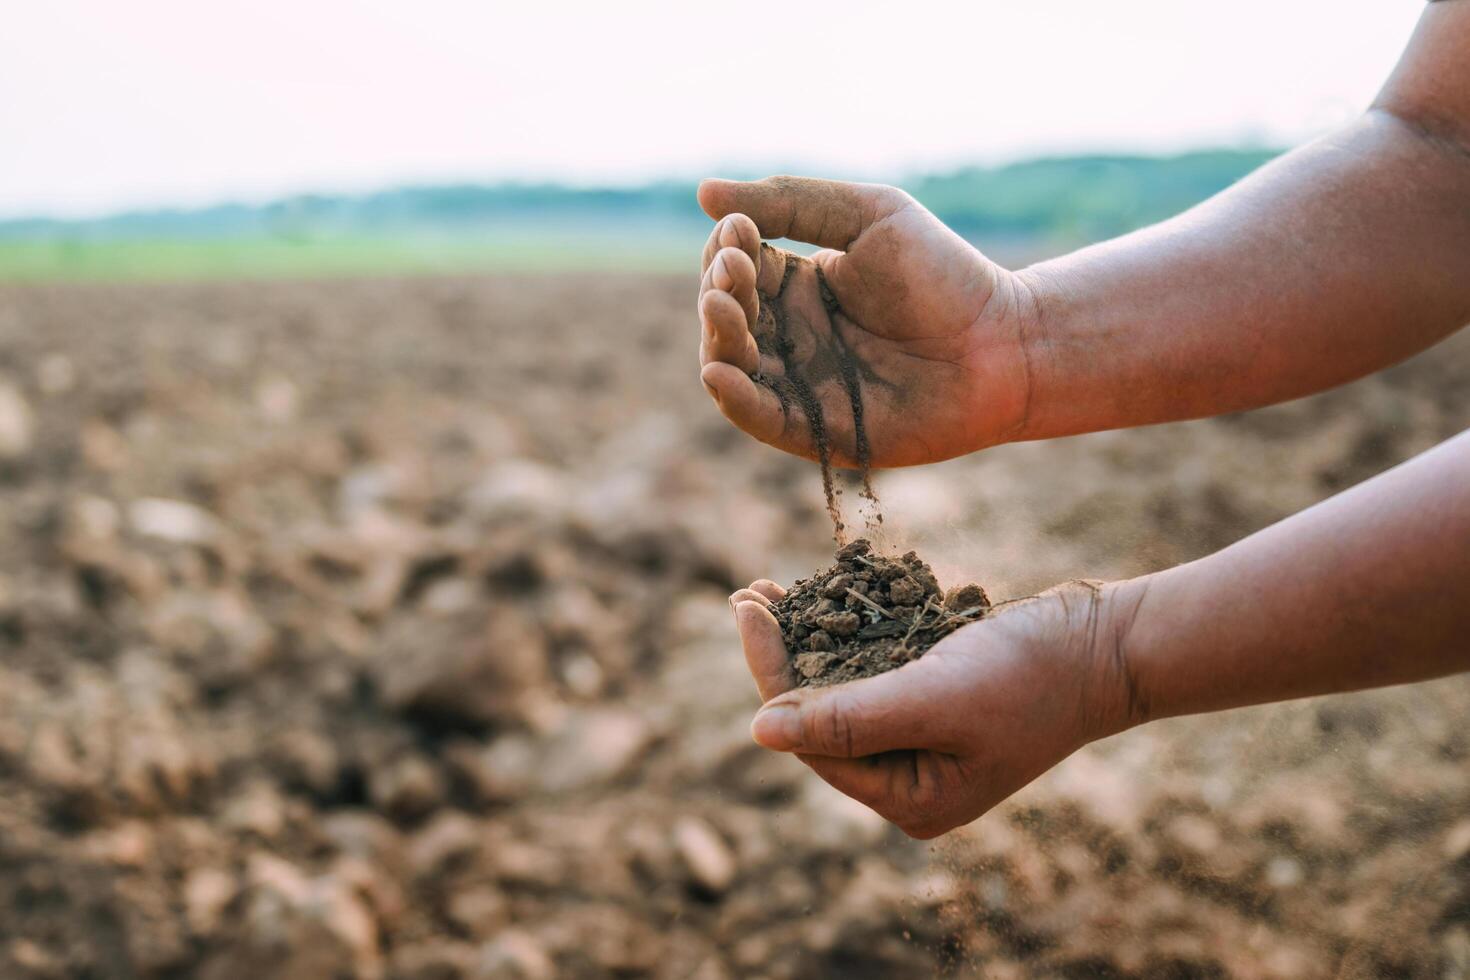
(378,629)
(868,614)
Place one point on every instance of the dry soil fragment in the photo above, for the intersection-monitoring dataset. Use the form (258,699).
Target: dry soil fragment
(17,423)
(966,597)
(705,855)
(892,610)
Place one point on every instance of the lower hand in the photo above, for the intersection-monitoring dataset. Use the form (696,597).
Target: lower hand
(938,742)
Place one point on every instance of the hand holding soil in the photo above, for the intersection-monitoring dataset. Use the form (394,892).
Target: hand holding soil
(898,343)
(939,741)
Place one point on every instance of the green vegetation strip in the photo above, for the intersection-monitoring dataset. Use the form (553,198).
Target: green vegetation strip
(1017,211)
(276,258)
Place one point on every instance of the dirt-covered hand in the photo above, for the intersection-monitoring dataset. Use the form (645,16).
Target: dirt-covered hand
(898,343)
(938,742)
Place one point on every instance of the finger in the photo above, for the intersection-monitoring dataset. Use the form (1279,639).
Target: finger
(726,338)
(772,269)
(748,595)
(829,261)
(828,213)
(892,711)
(765,651)
(907,789)
(732,231)
(733,272)
(868,781)
(753,408)
(768,589)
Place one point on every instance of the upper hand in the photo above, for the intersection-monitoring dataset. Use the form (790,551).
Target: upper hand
(932,330)
(938,742)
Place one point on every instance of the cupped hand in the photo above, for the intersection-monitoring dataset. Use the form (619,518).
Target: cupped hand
(936,743)
(897,321)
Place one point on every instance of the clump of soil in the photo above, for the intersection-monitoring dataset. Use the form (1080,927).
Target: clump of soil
(868,614)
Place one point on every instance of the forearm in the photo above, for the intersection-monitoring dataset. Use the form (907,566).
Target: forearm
(1367,589)
(1341,258)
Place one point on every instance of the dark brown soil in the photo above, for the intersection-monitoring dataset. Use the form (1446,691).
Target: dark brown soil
(868,614)
(863,452)
(377,629)
(774,337)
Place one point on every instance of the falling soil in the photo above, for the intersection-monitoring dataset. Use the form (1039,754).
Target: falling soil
(868,614)
(863,452)
(775,338)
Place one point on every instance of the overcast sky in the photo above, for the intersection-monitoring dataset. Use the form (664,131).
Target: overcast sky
(106,104)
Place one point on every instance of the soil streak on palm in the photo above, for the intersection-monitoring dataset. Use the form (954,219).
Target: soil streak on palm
(795,385)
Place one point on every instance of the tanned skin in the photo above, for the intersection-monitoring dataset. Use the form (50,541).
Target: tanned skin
(1337,260)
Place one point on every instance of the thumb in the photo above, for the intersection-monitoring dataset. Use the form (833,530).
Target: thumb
(827,213)
(877,714)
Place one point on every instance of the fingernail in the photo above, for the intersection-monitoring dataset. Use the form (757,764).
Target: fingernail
(777,727)
(718,276)
(728,235)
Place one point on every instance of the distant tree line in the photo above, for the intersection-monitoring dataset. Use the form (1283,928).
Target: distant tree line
(1071,198)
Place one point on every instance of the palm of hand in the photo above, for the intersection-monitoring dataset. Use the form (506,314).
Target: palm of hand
(941,740)
(900,349)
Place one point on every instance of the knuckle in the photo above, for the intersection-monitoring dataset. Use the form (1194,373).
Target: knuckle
(929,805)
(737,263)
(715,313)
(927,797)
(894,197)
(923,829)
(749,234)
(922,825)
(829,725)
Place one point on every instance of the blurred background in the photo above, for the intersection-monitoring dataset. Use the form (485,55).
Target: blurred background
(365,533)
(163,139)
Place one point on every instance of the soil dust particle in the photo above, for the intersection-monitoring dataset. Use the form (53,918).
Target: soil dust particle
(868,614)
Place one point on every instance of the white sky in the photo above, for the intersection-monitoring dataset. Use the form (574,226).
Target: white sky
(106,104)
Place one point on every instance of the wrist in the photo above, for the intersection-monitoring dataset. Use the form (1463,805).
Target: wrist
(1036,300)
(1081,635)
(1011,323)
(1113,646)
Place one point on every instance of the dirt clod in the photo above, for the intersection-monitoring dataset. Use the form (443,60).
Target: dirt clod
(895,611)
(965,597)
(821,642)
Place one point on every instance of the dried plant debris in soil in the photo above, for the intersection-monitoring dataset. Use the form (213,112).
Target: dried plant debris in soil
(868,614)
